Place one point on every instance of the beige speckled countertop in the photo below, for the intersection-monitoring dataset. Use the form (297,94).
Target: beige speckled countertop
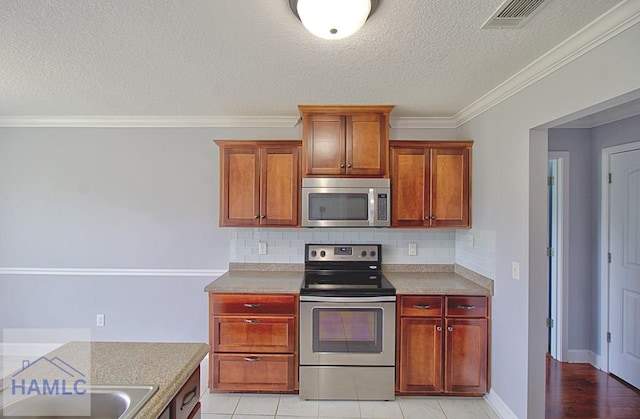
(422,279)
(167,365)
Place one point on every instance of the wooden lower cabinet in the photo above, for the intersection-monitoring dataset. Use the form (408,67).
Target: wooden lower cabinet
(186,403)
(254,344)
(254,372)
(443,345)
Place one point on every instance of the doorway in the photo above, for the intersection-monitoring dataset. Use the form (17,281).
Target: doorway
(557,253)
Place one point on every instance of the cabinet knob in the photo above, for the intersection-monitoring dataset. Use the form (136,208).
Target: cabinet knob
(349,165)
(342,166)
(450,328)
(439,328)
(256,217)
(426,217)
(433,217)
(263,217)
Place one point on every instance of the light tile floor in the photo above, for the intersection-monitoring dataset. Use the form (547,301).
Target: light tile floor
(260,406)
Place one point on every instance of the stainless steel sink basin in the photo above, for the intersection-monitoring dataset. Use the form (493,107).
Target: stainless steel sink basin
(107,402)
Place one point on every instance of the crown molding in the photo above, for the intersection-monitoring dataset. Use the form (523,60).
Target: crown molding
(607,26)
(149,121)
(110,272)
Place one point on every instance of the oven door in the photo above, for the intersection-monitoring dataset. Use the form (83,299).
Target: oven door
(347,330)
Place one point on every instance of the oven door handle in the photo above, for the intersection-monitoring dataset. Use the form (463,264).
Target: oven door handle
(377,299)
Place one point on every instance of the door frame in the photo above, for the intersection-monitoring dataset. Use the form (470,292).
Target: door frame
(602,359)
(559,298)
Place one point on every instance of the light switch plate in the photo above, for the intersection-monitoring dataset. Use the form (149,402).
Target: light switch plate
(100,320)
(262,248)
(515,270)
(413,249)
(470,240)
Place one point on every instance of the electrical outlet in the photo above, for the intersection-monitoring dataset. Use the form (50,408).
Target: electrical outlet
(413,249)
(100,320)
(262,248)
(515,270)
(470,240)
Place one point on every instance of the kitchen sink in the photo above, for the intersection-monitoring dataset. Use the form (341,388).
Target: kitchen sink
(107,402)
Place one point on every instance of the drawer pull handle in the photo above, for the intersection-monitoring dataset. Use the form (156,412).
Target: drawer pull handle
(252,358)
(189,397)
(422,306)
(466,307)
(252,305)
(450,328)
(252,321)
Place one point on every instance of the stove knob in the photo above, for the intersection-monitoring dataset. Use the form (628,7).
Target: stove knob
(363,253)
(373,253)
(323,253)
(313,253)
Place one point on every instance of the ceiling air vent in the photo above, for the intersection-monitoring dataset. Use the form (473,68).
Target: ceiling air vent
(513,13)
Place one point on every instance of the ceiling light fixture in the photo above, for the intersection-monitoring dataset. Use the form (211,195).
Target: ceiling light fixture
(333,19)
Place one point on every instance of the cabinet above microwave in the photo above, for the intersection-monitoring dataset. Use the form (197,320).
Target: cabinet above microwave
(345,141)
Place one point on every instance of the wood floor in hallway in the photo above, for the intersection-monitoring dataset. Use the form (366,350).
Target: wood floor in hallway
(583,391)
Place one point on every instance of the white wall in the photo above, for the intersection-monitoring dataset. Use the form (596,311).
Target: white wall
(510,202)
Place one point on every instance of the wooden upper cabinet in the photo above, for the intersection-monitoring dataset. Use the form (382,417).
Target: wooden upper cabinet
(345,140)
(431,184)
(260,183)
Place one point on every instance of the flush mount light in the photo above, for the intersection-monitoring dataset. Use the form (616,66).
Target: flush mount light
(333,19)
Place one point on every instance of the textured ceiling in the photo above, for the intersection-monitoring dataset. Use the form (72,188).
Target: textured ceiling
(254,58)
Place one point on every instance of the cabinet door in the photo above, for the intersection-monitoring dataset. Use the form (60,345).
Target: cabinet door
(240,205)
(367,145)
(280,186)
(420,365)
(253,372)
(409,186)
(450,187)
(466,356)
(325,145)
(253,334)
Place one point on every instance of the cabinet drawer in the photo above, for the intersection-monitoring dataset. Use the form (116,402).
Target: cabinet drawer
(253,304)
(253,372)
(467,307)
(421,306)
(253,334)
(188,397)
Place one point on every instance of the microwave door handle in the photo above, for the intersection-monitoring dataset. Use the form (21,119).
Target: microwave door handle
(372,204)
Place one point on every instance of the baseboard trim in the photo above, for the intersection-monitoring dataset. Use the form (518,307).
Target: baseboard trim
(582,356)
(497,404)
(110,272)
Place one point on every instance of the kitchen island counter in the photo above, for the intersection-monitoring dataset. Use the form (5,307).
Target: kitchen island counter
(166,365)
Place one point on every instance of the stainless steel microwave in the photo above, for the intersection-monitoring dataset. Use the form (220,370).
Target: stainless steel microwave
(346,202)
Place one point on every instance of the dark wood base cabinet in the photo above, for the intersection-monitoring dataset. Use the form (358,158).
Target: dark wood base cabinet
(443,345)
(254,344)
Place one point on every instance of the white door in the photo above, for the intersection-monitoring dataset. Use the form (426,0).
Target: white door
(624,269)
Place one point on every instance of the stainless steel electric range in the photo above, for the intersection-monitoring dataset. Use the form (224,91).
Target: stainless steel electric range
(347,324)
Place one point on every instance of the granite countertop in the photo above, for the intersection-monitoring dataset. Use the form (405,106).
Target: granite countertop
(408,279)
(167,365)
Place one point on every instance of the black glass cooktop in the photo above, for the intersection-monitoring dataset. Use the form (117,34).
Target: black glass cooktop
(347,284)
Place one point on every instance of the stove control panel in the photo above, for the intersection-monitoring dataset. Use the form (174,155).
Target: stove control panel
(342,253)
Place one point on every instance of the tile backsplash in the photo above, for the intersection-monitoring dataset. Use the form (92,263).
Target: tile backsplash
(286,245)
